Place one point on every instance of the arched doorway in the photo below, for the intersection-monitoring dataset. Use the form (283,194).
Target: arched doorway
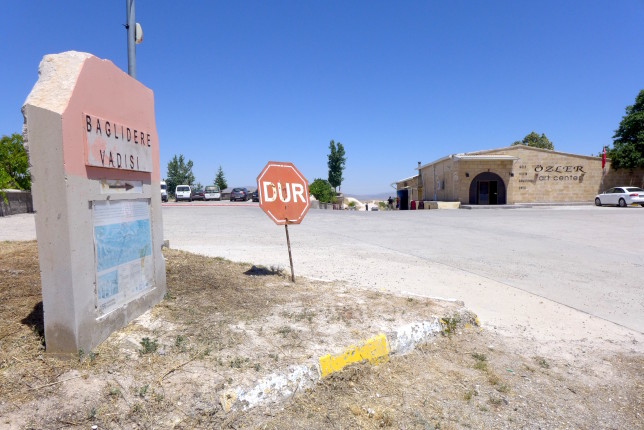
(403,196)
(487,188)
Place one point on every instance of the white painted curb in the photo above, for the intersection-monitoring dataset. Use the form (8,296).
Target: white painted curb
(279,386)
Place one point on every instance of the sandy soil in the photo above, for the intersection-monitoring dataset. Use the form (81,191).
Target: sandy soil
(224,325)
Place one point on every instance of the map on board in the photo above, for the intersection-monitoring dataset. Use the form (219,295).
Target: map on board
(123,246)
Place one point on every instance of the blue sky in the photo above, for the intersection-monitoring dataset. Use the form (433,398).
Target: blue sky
(240,83)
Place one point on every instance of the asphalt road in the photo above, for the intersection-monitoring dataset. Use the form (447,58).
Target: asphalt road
(552,274)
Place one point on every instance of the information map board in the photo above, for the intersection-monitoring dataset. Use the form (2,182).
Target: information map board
(123,244)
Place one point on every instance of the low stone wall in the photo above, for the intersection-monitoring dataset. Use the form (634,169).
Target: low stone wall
(17,202)
(430,204)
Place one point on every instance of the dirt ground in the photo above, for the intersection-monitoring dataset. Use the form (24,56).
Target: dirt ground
(224,325)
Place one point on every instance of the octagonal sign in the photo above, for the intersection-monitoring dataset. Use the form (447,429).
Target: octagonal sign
(283,193)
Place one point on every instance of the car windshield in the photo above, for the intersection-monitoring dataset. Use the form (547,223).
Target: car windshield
(163,187)
(182,188)
(636,189)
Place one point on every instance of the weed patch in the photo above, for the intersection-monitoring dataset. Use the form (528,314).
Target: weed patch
(542,362)
(149,346)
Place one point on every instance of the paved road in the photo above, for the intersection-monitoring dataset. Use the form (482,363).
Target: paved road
(550,274)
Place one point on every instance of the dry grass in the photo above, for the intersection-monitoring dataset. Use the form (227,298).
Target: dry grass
(224,325)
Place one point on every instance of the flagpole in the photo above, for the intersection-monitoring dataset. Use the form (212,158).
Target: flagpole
(601,184)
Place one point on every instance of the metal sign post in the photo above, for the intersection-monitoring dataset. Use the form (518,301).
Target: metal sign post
(290,257)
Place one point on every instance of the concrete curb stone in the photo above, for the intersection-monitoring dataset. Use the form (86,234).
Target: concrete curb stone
(281,385)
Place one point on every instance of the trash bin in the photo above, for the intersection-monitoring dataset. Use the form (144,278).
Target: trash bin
(413,205)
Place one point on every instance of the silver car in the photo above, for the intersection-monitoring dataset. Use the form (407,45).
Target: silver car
(621,196)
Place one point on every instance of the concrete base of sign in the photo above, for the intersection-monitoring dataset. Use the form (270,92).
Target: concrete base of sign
(75,258)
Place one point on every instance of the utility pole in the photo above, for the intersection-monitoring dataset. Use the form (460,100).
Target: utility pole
(131,46)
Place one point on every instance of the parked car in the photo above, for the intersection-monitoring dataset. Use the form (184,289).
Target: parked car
(212,192)
(239,194)
(198,195)
(164,192)
(183,192)
(255,195)
(621,196)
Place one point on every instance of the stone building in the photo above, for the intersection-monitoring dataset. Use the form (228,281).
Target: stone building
(516,174)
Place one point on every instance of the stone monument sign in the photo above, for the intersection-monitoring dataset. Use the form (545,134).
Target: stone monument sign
(94,155)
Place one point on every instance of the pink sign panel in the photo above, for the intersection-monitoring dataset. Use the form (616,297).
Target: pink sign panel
(116,145)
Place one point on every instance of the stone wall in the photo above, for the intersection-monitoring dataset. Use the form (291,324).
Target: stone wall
(439,181)
(621,177)
(18,202)
(468,170)
(543,176)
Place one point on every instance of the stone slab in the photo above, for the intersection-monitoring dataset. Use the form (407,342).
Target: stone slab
(100,252)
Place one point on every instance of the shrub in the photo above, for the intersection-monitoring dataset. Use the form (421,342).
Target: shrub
(322,190)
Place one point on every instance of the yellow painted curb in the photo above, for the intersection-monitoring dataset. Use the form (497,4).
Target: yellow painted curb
(373,350)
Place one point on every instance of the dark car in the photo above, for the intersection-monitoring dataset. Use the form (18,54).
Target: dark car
(255,196)
(198,195)
(239,194)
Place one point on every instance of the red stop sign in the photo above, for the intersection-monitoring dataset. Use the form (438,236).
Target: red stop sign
(283,193)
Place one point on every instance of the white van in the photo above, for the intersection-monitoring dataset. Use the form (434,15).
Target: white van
(212,192)
(183,192)
(164,192)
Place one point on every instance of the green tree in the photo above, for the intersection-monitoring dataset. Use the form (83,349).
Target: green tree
(179,173)
(220,179)
(628,141)
(336,164)
(14,163)
(322,190)
(536,141)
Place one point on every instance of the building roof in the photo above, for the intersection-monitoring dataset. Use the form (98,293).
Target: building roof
(485,157)
(411,178)
(472,157)
(532,148)
(406,179)
(488,154)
